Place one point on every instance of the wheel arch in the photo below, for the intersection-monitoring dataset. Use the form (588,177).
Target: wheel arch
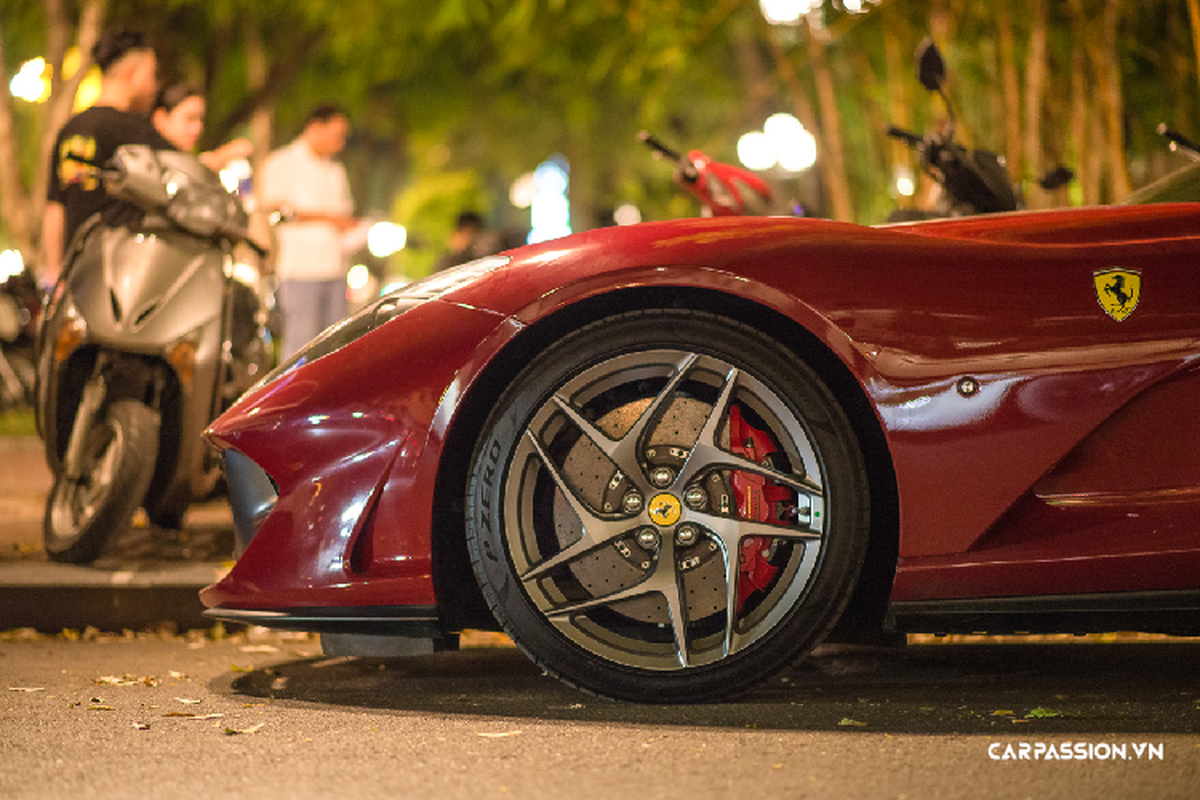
(460,600)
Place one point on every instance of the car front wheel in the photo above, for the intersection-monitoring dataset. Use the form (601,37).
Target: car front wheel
(667,507)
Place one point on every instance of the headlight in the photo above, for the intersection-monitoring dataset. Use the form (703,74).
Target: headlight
(384,310)
(441,283)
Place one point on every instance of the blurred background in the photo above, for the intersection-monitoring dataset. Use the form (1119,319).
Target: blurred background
(456,103)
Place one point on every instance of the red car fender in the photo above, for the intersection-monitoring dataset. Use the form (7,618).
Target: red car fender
(356,532)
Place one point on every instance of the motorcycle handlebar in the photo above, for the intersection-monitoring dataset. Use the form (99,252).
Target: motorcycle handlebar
(1178,140)
(909,138)
(687,170)
(660,149)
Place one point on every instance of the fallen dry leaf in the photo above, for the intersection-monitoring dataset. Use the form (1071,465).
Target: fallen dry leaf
(26,689)
(189,701)
(251,729)
(851,723)
(332,662)
(1042,713)
(141,726)
(189,715)
(498,735)
(126,680)
(113,680)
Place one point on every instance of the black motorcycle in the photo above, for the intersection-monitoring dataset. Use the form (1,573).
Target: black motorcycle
(975,181)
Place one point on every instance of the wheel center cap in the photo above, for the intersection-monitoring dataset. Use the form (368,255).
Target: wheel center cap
(664,509)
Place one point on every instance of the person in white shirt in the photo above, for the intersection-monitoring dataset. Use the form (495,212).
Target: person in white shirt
(303,181)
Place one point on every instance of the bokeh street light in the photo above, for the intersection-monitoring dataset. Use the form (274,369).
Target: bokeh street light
(550,210)
(783,142)
(31,83)
(11,264)
(787,12)
(386,238)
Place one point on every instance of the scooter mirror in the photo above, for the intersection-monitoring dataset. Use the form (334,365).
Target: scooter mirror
(931,69)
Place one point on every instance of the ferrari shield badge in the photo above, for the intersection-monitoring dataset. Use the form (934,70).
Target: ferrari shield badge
(1118,291)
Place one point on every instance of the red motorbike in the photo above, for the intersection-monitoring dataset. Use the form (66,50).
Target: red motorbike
(723,189)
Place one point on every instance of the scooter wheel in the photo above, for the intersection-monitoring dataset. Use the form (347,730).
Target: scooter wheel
(118,465)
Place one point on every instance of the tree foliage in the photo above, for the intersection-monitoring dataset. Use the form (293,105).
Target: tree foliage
(483,90)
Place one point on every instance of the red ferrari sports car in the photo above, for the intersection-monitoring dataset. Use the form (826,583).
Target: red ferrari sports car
(668,459)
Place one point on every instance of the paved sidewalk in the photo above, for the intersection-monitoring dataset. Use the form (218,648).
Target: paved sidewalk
(145,576)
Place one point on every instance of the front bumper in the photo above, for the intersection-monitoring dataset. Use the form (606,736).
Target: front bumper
(332,468)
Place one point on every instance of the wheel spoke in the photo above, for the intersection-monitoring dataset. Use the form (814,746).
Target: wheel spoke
(623,452)
(731,530)
(662,580)
(729,533)
(707,454)
(597,531)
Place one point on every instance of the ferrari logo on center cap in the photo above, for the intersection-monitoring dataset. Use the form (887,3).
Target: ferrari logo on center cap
(1118,290)
(664,509)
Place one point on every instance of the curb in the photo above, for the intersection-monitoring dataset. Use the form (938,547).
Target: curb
(50,597)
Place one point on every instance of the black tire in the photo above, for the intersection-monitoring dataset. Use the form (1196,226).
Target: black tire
(629,601)
(118,466)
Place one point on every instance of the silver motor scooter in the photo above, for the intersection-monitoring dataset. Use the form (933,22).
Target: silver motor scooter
(150,332)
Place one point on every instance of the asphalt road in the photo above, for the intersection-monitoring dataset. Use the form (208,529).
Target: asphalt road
(263,715)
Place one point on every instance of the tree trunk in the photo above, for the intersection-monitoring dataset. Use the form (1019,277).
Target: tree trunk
(1193,7)
(14,202)
(941,24)
(899,77)
(1011,87)
(1081,123)
(1035,92)
(1105,60)
(63,90)
(261,120)
(22,210)
(786,70)
(831,156)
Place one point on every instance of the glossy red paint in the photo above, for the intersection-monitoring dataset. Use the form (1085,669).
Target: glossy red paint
(348,443)
(911,314)
(918,314)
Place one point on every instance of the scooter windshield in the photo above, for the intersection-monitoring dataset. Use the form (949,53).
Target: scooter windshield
(1181,186)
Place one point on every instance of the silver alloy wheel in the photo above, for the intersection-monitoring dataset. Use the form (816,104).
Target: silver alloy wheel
(610,430)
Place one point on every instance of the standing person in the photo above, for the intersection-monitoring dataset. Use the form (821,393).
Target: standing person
(179,116)
(303,180)
(120,115)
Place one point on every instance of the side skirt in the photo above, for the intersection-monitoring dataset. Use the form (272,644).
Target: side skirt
(1171,612)
(417,622)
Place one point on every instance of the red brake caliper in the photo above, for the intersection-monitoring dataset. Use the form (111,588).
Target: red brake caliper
(758,499)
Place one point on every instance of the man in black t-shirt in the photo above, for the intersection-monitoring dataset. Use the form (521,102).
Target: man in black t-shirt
(128,69)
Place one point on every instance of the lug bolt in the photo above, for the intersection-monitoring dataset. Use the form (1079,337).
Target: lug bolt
(662,476)
(632,502)
(696,498)
(686,535)
(647,539)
